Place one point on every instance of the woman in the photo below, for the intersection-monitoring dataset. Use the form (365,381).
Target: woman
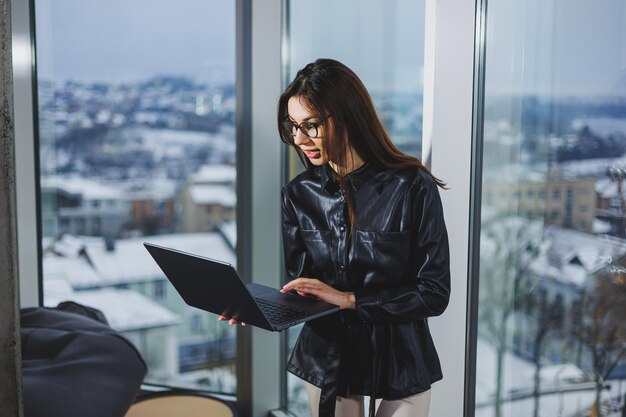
(363,228)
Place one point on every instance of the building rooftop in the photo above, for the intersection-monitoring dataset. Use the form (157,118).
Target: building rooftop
(125,310)
(607,188)
(571,256)
(564,255)
(204,194)
(89,189)
(208,174)
(590,167)
(92,265)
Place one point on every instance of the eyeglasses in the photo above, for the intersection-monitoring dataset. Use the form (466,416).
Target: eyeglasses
(310,129)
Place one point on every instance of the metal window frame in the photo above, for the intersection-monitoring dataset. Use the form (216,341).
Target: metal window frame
(26,153)
(478,107)
(260,177)
(243,45)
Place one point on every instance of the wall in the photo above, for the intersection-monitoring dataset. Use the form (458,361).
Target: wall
(10,370)
(449,66)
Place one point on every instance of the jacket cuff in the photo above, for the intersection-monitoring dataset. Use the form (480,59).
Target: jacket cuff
(367,305)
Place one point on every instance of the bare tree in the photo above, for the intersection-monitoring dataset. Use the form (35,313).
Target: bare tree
(600,331)
(507,251)
(548,318)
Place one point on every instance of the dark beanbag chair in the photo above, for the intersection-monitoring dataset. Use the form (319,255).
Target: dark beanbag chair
(75,365)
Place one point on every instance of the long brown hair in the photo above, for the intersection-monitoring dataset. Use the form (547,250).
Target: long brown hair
(328,87)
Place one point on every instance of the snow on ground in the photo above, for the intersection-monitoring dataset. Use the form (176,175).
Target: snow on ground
(566,391)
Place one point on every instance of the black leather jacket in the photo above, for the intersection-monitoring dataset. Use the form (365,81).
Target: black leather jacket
(395,260)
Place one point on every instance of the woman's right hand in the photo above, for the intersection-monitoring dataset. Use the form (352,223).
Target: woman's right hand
(231,321)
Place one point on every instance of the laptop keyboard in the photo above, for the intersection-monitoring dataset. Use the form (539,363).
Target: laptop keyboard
(278,313)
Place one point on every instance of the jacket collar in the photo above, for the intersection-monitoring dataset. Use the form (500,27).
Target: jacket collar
(356,178)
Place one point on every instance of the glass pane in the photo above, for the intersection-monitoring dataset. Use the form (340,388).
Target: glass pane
(137,143)
(552,295)
(383,42)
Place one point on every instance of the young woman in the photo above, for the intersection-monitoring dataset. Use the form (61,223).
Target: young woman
(363,228)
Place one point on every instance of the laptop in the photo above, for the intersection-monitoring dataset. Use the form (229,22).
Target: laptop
(216,287)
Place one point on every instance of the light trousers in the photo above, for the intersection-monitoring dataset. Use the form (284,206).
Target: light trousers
(353,406)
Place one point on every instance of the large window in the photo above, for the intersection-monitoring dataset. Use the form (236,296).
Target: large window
(552,284)
(137,143)
(383,42)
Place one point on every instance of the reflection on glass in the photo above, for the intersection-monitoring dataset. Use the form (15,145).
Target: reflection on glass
(383,42)
(552,295)
(137,143)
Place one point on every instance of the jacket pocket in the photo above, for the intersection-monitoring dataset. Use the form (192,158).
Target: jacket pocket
(382,258)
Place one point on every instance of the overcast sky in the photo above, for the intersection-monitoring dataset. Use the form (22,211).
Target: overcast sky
(558,47)
(135,39)
(535,46)
(381,40)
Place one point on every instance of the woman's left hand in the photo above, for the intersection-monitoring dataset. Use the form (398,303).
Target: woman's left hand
(311,287)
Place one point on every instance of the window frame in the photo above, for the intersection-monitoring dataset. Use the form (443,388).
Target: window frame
(475,205)
(28,202)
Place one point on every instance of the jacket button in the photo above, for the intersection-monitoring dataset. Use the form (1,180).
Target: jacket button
(342,267)
(342,228)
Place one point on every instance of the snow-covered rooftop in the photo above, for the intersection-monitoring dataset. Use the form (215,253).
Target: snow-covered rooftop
(68,246)
(607,188)
(75,271)
(213,194)
(601,227)
(89,189)
(154,188)
(125,310)
(208,174)
(571,255)
(129,261)
(590,167)
(565,255)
